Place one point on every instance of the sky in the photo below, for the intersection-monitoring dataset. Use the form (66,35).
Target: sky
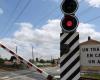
(27,23)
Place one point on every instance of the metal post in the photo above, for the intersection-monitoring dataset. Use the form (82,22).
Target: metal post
(70,61)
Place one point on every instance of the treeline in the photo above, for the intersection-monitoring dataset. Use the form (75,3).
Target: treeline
(42,61)
(2,60)
(12,66)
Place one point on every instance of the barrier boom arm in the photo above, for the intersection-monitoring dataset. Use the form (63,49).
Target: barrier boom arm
(29,64)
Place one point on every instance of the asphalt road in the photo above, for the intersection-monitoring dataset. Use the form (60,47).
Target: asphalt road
(21,75)
(27,75)
(55,71)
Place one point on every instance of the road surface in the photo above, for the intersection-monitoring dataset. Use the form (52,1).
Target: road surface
(21,75)
(27,75)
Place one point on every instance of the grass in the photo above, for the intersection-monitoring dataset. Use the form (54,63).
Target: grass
(94,76)
(95,68)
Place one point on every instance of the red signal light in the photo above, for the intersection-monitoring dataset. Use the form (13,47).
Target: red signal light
(69,23)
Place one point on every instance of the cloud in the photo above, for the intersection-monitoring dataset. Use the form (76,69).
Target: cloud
(8,43)
(25,31)
(86,30)
(1,11)
(46,38)
(94,3)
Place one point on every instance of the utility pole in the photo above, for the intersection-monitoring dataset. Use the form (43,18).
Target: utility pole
(32,53)
(16,49)
(51,58)
(28,64)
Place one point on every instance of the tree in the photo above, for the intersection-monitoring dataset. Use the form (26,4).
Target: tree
(37,60)
(31,60)
(53,61)
(48,61)
(42,61)
(1,61)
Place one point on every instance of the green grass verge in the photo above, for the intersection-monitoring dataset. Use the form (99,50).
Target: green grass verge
(94,76)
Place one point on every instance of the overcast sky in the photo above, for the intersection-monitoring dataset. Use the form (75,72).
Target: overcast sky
(26,23)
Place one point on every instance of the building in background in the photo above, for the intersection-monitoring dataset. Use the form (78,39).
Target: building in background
(90,55)
(12,61)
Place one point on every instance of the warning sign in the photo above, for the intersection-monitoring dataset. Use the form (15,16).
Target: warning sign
(90,55)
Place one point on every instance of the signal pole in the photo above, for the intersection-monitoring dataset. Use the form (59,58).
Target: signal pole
(69,42)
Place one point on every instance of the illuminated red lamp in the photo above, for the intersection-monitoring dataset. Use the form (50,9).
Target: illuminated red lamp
(69,23)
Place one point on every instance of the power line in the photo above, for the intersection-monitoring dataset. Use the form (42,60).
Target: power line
(22,11)
(27,4)
(11,15)
(41,18)
(13,12)
(52,11)
(48,14)
(93,19)
(85,11)
(38,20)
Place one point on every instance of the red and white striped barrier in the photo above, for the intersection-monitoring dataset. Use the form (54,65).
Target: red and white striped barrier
(29,64)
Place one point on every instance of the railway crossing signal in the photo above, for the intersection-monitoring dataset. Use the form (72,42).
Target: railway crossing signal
(69,6)
(69,22)
(69,42)
(64,49)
